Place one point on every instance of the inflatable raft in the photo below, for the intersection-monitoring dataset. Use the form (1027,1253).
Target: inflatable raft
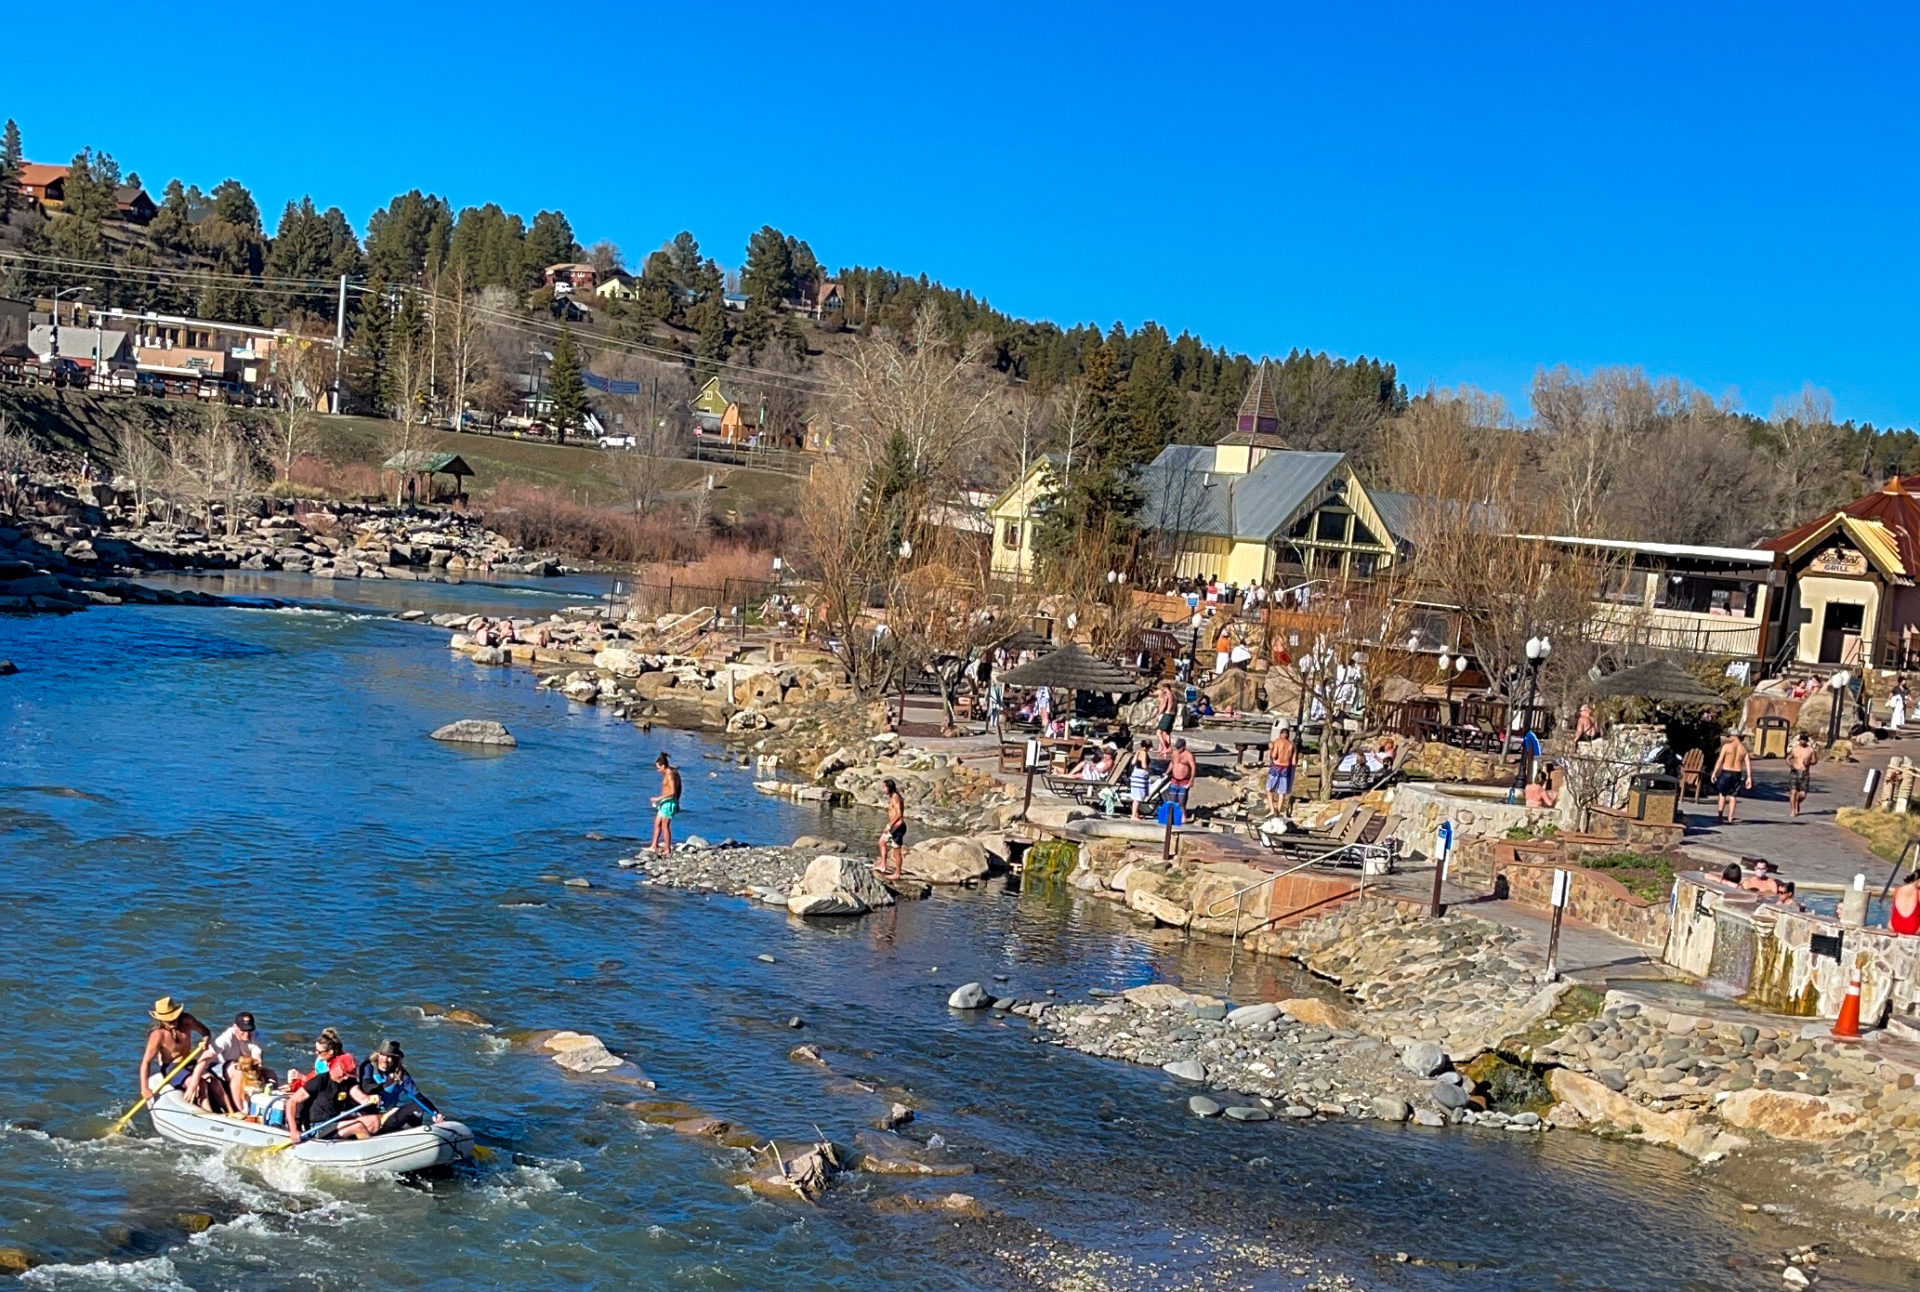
(415,1149)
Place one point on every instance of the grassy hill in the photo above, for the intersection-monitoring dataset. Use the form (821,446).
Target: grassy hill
(76,423)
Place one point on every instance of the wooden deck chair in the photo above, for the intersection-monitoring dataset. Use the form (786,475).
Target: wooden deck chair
(1693,775)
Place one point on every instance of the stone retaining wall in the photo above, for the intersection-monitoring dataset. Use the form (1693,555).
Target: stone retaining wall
(1595,898)
(1789,961)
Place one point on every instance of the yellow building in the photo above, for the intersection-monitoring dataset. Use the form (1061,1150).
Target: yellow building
(1242,511)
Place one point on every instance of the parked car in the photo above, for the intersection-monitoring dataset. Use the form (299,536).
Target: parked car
(62,372)
(150,383)
(617,441)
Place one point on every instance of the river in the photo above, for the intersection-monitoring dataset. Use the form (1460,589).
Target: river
(240,807)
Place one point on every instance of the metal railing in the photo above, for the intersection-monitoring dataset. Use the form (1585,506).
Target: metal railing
(1239,900)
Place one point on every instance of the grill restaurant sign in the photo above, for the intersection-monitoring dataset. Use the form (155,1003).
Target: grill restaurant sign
(1839,560)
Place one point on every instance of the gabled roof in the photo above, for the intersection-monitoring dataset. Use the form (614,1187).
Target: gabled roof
(1185,494)
(423,461)
(1259,414)
(1884,525)
(1048,460)
(40,174)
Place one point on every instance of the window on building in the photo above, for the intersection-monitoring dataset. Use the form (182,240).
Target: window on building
(1361,534)
(1363,564)
(1302,528)
(1010,535)
(1325,562)
(1704,595)
(1625,588)
(1331,527)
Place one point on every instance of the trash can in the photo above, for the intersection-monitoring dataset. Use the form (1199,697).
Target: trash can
(1771,735)
(1654,797)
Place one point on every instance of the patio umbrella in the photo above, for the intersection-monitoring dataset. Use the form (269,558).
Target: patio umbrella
(1073,669)
(1660,680)
(1024,639)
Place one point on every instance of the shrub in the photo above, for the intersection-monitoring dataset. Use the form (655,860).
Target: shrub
(1647,876)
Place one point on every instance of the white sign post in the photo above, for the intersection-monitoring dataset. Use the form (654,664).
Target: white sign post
(1562,889)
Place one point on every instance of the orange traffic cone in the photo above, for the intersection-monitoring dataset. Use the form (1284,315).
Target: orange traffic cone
(1848,1024)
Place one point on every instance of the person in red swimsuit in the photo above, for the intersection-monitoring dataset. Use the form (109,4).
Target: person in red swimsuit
(1904,918)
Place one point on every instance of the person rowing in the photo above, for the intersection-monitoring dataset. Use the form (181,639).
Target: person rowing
(169,1041)
(396,1103)
(320,1097)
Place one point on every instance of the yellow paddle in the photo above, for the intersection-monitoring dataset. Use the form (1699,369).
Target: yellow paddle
(165,1081)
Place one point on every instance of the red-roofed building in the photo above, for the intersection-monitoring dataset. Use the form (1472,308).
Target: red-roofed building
(44,183)
(1855,602)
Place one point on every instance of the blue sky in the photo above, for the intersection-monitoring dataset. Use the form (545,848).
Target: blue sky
(1724,193)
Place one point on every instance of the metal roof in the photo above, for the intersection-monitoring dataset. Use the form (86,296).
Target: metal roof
(1185,494)
(420,460)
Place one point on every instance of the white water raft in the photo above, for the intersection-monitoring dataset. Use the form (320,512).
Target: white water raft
(415,1149)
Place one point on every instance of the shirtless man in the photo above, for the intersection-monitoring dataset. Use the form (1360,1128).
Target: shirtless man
(1280,758)
(665,804)
(169,1040)
(1181,770)
(1732,771)
(894,838)
(1800,761)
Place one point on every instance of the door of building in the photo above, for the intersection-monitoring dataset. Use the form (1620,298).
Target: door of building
(1840,627)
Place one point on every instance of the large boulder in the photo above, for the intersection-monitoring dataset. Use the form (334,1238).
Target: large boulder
(838,886)
(476,731)
(952,860)
(1584,1099)
(1786,1114)
(621,663)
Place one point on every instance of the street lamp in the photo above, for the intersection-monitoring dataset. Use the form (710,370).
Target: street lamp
(53,349)
(1538,648)
(1839,682)
(1451,667)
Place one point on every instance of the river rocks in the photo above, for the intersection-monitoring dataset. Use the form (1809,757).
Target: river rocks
(1248,1113)
(1253,1015)
(838,886)
(765,874)
(7,668)
(587,1055)
(952,860)
(1314,1012)
(1185,1070)
(476,731)
(1424,1059)
(1201,1106)
(1391,1108)
(1448,1095)
(970,996)
(814,843)
(488,655)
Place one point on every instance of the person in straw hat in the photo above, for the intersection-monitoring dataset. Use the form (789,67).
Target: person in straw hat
(169,1040)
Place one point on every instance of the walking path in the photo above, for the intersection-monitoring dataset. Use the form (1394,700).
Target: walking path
(1812,846)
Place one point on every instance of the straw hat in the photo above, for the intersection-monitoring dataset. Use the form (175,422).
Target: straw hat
(166,1009)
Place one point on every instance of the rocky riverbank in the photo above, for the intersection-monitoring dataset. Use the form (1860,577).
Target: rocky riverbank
(1451,1021)
(65,548)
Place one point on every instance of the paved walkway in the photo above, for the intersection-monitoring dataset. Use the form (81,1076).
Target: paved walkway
(1812,846)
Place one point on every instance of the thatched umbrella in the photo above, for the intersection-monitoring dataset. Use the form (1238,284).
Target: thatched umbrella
(1073,669)
(1660,680)
(1023,639)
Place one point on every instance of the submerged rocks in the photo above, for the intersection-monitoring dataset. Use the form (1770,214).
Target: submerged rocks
(585,1054)
(1201,1106)
(476,731)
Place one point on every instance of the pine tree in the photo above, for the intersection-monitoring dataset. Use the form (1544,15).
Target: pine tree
(171,228)
(711,350)
(566,387)
(768,274)
(1094,513)
(11,160)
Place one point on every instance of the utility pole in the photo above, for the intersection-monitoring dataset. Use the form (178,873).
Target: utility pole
(339,339)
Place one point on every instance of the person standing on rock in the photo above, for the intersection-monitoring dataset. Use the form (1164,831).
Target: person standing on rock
(1800,761)
(1280,761)
(1732,771)
(665,804)
(894,837)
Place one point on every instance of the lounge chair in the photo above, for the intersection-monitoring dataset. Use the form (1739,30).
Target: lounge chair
(1693,773)
(1361,778)
(1089,792)
(1367,838)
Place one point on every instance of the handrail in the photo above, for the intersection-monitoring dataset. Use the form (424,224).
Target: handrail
(1239,898)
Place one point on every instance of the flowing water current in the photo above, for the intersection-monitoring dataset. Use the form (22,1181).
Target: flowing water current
(240,807)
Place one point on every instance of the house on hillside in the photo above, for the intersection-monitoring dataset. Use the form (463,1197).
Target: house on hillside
(134,205)
(817,300)
(102,348)
(44,183)
(733,300)
(1014,514)
(47,185)
(617,286)
(570,278)
(709,406)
